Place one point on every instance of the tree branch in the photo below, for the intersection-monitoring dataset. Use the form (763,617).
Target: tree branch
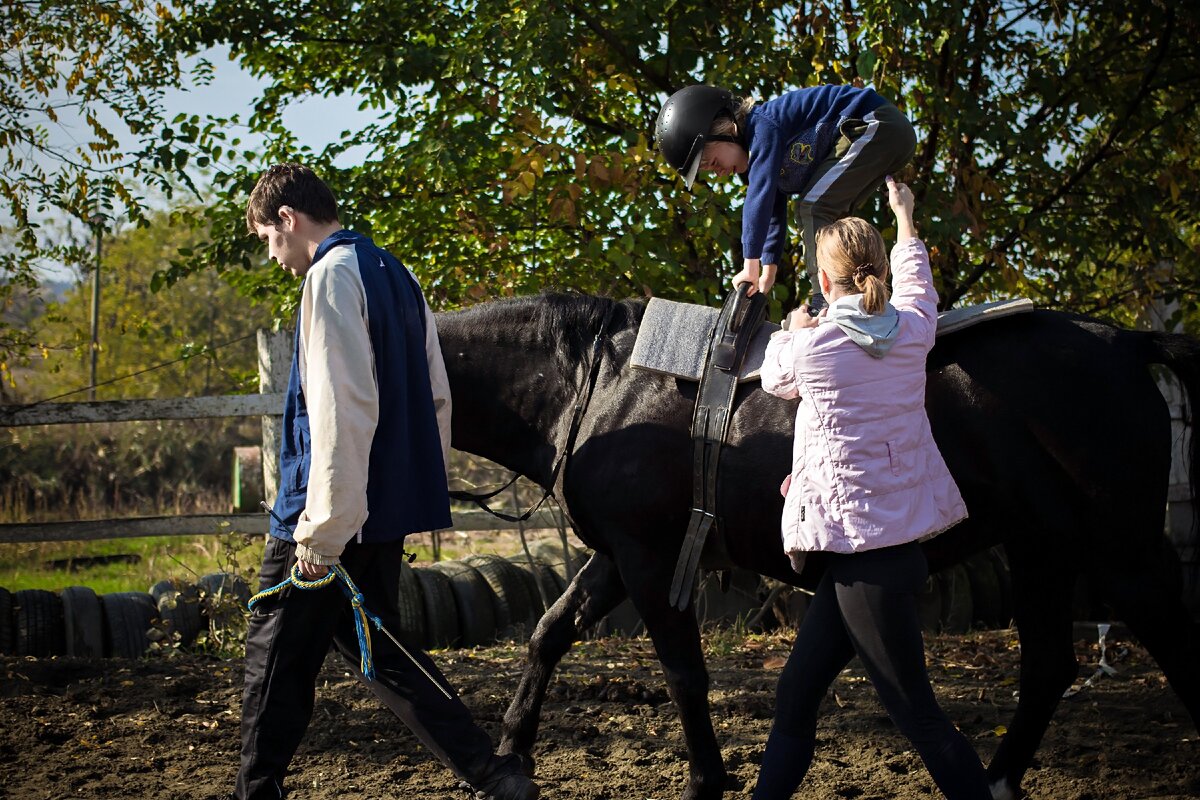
(1085,167)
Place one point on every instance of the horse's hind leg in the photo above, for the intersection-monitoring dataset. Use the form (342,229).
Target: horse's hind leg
(676,637)
(1042,611)
(1141,596)
(594,592)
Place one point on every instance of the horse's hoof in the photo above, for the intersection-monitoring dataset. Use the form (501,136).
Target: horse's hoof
(707,790)
(1002,791)
(524,759)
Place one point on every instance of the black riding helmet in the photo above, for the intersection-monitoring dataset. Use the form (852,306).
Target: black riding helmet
(683,124)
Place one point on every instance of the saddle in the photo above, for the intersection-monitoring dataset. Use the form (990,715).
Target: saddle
(721,349)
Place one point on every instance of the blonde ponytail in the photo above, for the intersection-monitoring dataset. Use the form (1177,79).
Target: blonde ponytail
(874,292)
(852,254)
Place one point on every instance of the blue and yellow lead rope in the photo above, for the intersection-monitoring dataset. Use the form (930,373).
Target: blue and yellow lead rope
(361,615)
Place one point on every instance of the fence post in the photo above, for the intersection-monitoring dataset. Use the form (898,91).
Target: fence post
(274,365)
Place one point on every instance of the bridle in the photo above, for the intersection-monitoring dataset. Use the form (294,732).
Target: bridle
(582,397)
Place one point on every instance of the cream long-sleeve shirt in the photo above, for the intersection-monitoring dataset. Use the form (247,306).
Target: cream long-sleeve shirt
(337,376)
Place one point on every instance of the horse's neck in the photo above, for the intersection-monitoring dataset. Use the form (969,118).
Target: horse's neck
(511,402)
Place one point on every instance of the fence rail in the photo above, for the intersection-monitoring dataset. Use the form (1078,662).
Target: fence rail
(238,405)
(208,524)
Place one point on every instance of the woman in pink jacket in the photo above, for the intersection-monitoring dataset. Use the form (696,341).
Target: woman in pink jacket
(867,485)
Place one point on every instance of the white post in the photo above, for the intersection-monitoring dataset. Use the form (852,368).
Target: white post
(274,365)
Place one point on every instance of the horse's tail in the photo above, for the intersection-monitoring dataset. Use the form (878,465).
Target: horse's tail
(1181,354)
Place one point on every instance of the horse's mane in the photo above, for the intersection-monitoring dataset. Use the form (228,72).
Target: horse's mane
(570,320)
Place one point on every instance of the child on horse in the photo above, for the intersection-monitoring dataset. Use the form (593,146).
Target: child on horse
(828,145)
(867,485)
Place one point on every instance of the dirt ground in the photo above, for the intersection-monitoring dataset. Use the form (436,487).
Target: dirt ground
(167,727)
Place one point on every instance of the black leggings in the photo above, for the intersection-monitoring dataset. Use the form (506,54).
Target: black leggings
(866,606)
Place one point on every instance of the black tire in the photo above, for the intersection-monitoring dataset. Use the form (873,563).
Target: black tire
(7,625)
(957,607)
(179,608)
(83,622)
(410,607)
(223,597)
(474,602)
(38,623)
(530,581)
(985,591)
(544,584)
(129,616)
(441,612)
(564,563)
(512,598)
(560,585)
(624,620)
(165,587)
(225,584)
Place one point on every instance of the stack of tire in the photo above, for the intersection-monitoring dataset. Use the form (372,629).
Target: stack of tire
(476,601)
(78,622)
(482,599)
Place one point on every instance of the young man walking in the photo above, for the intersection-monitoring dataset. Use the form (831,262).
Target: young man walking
(362,464)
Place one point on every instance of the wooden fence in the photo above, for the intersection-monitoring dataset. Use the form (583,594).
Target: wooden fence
(274,353)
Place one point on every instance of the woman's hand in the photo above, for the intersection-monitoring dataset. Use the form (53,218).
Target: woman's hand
(900,198)
(800,318)
(761,277)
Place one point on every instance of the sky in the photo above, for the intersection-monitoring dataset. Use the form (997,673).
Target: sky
(231,91)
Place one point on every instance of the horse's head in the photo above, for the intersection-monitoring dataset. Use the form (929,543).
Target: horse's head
(516,367)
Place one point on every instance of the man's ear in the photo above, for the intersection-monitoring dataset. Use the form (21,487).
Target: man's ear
(287,218)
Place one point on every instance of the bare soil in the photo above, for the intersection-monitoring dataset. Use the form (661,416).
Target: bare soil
(168,727)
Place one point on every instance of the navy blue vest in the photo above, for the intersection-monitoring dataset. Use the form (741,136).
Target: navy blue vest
(406,482)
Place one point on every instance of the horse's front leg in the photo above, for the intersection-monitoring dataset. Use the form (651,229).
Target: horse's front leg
(676,637)
(594,592)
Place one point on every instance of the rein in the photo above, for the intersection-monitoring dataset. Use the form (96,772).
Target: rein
(582,398)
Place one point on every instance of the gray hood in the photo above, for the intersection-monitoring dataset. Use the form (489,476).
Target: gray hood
(875,333)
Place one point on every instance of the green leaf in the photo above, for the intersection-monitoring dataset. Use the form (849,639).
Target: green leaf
(866,64)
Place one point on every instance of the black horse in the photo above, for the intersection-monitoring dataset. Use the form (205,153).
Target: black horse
(1051,424)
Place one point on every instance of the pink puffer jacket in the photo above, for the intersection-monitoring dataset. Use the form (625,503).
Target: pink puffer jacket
(866,472)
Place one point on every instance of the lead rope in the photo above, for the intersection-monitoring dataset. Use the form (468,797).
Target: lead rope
(362,615)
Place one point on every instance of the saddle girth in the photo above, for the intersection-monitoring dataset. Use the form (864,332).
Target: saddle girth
(739,318)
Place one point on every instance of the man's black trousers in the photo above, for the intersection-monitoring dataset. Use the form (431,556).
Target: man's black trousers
(289,635)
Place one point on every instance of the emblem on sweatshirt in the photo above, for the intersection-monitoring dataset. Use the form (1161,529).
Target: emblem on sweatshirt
(800,153)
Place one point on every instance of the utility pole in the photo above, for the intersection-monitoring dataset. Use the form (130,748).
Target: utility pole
(98,230)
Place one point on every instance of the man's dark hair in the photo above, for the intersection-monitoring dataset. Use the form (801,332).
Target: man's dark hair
(289,185)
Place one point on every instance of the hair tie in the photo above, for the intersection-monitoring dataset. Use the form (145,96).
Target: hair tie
(862,271)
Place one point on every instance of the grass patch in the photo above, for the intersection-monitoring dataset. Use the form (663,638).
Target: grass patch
(135,564)
(122,565)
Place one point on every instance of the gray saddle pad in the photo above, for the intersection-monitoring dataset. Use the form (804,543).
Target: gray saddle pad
(674,337)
